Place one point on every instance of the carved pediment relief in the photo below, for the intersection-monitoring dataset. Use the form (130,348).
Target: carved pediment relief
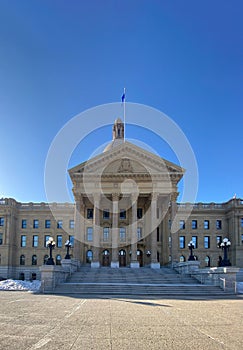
(125,166)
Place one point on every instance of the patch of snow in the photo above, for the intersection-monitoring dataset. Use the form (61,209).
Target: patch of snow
(20,285)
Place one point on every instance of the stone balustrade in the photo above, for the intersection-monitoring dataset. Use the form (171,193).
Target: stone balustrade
(52,275)
(224,277)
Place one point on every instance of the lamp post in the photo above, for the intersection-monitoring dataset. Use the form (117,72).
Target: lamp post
(51,245)
(148,253)
(225,247)
(68,245)
(191,246)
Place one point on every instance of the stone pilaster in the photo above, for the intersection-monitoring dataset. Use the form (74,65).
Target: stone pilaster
(114,231)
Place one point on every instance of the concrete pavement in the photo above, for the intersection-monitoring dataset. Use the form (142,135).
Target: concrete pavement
(39,321)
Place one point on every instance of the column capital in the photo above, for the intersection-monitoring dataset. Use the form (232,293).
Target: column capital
(115,197)
(154,196)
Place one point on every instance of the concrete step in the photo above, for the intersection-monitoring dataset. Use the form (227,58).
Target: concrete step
(137,289)
(143,281)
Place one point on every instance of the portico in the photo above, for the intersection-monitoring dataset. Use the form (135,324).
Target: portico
(122,197)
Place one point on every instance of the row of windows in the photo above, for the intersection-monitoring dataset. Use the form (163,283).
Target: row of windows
(35,241)
(206,242)
(22,259)
(106,213)
(59,223)
(206,224)
(106,234)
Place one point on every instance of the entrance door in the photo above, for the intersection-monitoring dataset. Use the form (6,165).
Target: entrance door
(122,258)
(140,257)
(106,258)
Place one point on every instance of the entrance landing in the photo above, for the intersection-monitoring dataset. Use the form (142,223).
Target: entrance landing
(137,282)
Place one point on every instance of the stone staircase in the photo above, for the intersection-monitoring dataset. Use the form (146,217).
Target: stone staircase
(148,282)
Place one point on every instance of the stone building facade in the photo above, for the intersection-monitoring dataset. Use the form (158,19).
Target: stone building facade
(125,214)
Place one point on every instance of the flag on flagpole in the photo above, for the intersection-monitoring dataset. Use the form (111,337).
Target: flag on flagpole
(123,96)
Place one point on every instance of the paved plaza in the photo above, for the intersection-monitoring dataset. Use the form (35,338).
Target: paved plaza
(40,321)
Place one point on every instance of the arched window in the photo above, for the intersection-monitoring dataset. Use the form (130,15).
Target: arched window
(45,259)
(22,260)
(106,252)
(58,259)
(34,260)
(89,256)
(182,258)
(207,261)
(122,252)
(33,276)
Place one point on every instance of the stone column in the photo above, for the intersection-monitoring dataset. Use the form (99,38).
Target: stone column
(134,263)
(79,228)
(154,261)
(114,231)
(96,232)
(173,237)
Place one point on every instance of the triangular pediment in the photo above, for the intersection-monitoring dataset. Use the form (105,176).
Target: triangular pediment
(126,158)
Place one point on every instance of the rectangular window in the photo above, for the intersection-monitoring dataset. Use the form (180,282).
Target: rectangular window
(206,224)
(71,240)
(47,223)
(35,223)
(182,225)
(206,242)
(194,224)
(218,240)
(90,213)
(242,239)
(218,224)
(71,223)
(122,214)
(1,238)
(158,235)
(106,234)
(122,234)
(241,222)
(24,223)
(182,242)
(139,233)
(89,234)
(1,221)
(35,241)
(59,223)
(194,240)
(106,214)
(46,240)
(59,241)
(169,224)
(139,213)
(23,241)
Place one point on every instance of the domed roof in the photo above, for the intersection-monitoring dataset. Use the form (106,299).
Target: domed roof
(118,135)
(113,144)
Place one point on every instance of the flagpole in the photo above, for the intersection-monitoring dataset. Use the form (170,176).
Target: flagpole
(124,111)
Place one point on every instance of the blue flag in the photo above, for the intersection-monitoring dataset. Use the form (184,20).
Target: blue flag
(123,97)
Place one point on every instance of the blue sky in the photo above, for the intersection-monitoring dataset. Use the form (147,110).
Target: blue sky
(59,58)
